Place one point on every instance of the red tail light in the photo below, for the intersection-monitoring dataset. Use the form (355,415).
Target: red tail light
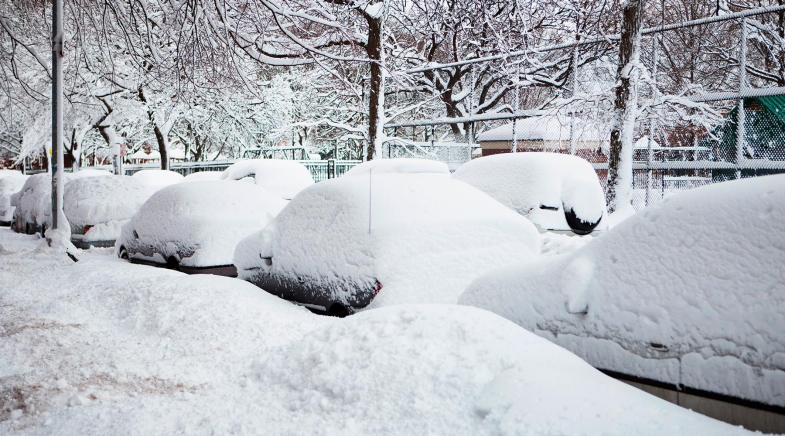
(377,288)
(86,229)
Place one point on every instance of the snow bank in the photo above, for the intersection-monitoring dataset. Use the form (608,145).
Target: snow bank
(688,291)
(423,236)
(399,165)
(11,182)
(527,181)
(283,177)
(105,347)
(104,204)
(198,223)
(202,176)
(158,178)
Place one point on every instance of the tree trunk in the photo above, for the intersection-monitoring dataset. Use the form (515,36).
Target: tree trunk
(619,190)
(160,138)
(375,51)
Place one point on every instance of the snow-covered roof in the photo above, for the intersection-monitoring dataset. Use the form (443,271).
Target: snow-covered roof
(545,128)
(700,274)
(97,200)
(423,236)
(399,165)
(158,178)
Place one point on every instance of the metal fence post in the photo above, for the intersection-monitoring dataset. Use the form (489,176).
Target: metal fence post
(741,136)
(57,112)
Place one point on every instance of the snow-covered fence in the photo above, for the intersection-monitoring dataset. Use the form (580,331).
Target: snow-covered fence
(452,153)
(722,119)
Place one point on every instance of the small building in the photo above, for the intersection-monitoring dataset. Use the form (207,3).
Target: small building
(546,133)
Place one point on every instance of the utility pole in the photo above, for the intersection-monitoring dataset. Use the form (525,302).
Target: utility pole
(57,113)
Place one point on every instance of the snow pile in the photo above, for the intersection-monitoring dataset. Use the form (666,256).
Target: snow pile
(284,178)
(105,347)
(689,291)
(525,182)
(399,165)
(203,176)
(88,172)
(424,237)
(198,223)
(11,182)
(104,204)
(158,178)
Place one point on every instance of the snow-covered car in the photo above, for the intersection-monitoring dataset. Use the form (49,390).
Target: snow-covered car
(555,191)
(11,182)
(97,207)
(33,203)
(399,165)
(194,227)
(689,293)
(284,178)
(158,178)
(203,176)
(421,237)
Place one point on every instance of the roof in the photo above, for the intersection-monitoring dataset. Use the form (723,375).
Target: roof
(775,104)
(545,128)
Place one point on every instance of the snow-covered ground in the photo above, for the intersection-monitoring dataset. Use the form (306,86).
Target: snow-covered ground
(106,347)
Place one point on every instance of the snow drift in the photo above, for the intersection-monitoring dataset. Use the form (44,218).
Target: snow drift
(284,178)
(198,223)
(424,237)
(543,187)
(689,292)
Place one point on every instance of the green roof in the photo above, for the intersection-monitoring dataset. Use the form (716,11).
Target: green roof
(775,104)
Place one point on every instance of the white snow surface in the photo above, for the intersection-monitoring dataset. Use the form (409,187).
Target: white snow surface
(103,202)
(525,181)
(426,238)
(284,178)
(158,178)
(399,165)
(104,347)
(202,176)
(700,273)
(208,218)
(11,182)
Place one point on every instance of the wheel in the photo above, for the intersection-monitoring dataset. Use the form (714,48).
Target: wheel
(577,225)
(338,310)
(122,253)
(172,262)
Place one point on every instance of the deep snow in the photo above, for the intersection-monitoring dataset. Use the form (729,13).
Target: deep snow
(106,347)
(701,274)
(285,178)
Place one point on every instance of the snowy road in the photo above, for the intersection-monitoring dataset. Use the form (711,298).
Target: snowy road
(105,347)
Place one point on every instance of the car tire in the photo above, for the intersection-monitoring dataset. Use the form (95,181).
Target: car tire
(338,310)
(172,262)
(122,253)
(577,225)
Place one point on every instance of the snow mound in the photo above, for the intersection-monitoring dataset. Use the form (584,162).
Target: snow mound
(284,178)
(198,223)
(203,176)
(399,165)
(88,172)
(11,182)
(423,236)
(526,182)
(158,178)
(104,203)
(689,291)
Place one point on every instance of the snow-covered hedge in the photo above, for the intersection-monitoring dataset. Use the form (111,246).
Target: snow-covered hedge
(544,187)
(424,237)
(102,203)
(399,165)
(689,291)
(284,178)
(11,182)
(198,223)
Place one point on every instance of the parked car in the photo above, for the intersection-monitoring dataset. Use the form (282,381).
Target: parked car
(688,294)
(555,191)
(33,203)
(399,165)
(11,182)
(98,207)
(158,178)
(203,176)
(284,178)
(194,227)
(410,238)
